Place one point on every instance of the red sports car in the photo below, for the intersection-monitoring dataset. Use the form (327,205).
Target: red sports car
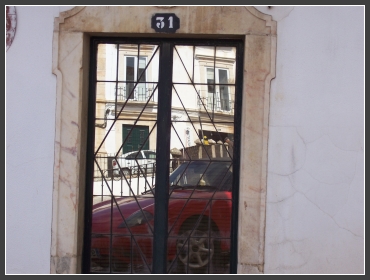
(199,215)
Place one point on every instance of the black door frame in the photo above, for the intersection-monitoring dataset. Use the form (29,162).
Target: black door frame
(163,147)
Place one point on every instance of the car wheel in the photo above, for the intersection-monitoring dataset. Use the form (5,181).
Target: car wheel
(195,249)
(126,172)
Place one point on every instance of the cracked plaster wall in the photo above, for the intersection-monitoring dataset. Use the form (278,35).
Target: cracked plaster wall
(315,184)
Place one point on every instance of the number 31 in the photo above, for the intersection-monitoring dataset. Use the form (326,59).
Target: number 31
(160,24)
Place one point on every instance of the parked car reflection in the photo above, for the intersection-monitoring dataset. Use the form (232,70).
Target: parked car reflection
(134,162)
(199,215)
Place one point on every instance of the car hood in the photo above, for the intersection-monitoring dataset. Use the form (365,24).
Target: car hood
(130,202)
(133,203)
(109,212)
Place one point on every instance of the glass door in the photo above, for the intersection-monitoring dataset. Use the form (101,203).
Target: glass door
(161,196)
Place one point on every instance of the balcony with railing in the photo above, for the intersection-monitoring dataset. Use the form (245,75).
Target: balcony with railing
(215,103)
(141,94)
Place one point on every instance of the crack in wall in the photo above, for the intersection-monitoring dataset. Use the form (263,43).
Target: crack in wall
(313,203)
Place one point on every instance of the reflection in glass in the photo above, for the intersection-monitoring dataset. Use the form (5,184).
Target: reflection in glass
(125,144)
(183,64)
(200,187)
(125,158)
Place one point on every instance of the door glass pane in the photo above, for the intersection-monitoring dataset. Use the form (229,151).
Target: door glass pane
(124,156)
(200,164)
(200,201)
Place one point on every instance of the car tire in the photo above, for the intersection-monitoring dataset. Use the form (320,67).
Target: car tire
(196,250)
(126,172)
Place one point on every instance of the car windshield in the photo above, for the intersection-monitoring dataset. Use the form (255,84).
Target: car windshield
(216,175)
(149,154)
(135,155)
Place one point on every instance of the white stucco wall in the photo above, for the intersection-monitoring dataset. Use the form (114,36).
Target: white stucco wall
(315,191)
(30,129)
(315,186)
